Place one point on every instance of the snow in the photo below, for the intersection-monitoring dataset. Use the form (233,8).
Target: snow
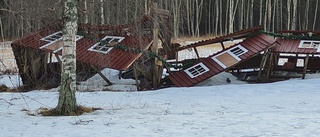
(214,108)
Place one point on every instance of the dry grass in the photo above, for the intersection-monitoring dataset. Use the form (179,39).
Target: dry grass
(80,110)
(4,88)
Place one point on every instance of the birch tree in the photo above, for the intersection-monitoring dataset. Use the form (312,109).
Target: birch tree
(289,14)
(67,99)
(315,15)
(294,15)
(102,20)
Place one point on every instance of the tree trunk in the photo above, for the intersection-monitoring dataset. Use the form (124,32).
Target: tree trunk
(67,99)
(86,17)
(289,14)
(306,16)
(216,19)
(241,12)
(176,16)
(281,17)
(315,15)
(251,13)
(268,15)
(294,15)
(198,16)
(102,21)
(227,16)
(260,19)
(230,16)
(220,15)
(118,14)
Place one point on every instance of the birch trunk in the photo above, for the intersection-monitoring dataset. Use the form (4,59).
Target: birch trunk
(294,15)
(260,20)
(289,14)
(86,17)
(67,99)
(251,13)
(102,21)
(216,19)
(176,17)
(306,16)
(315,15)
(198,16)
(233,9)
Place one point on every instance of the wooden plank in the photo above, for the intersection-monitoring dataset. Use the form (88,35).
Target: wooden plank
(263,63)
(135,73)
(227,59)
(305,67)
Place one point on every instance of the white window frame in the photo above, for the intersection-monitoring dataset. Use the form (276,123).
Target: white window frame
(53,34)
(230,53)
(311,43)
(78,37)
(92,48)
(206,69)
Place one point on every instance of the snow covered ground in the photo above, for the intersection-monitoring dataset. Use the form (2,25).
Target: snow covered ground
(282,109)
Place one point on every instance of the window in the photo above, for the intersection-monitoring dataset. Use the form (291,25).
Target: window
(237,51)
(105,45)
(309,44)
(230,57)
(196,70)
(55,41)
(53,37)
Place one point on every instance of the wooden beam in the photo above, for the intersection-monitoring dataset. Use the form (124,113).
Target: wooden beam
(263,63)
(102,76)
(135,73)
(305,66)
(197,53)
(270,66)
(222,45)
(58,58)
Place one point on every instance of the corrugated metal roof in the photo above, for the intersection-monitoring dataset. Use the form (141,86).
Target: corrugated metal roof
(248,47)
(292,46)
(116,59)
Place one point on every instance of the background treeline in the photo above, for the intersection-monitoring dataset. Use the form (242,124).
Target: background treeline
(189,17)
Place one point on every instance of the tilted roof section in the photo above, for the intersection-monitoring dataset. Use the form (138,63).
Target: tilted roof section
(295,46)
(116,58)
(221,61)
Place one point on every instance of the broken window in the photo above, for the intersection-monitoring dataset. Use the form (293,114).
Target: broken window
(230,57)
(197,70)
(105,45)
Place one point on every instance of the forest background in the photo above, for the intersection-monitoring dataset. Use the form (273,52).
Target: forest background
(189,17)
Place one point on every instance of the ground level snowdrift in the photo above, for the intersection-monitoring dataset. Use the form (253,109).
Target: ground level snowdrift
(287,108)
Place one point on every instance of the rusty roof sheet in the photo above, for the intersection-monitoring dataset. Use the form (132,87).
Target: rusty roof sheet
(116,59)
(292,46)
(253,46)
